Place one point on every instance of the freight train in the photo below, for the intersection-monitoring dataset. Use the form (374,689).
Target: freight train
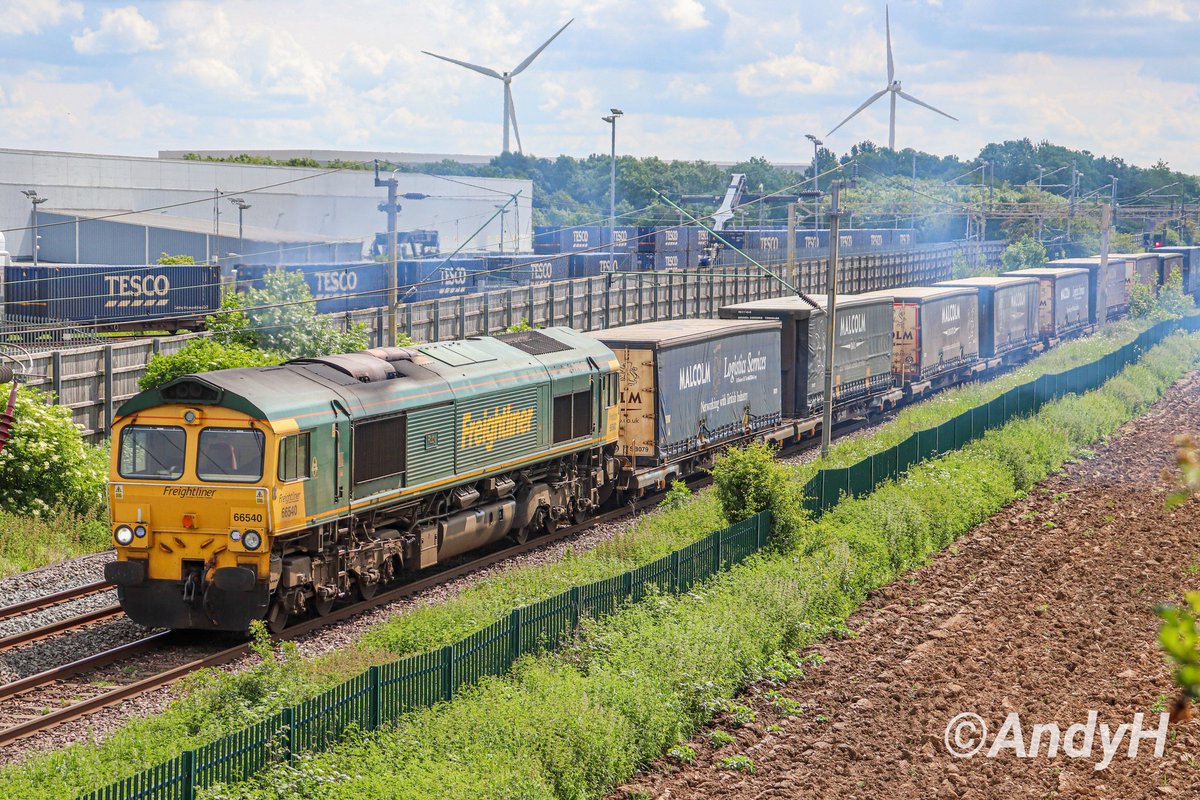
(274,492)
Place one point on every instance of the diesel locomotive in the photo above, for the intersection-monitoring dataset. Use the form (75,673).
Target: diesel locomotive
(264,493)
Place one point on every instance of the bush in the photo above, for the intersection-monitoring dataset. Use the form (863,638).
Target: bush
(202,355)
(28,542)
(749,480)
(281,317)
(46,464)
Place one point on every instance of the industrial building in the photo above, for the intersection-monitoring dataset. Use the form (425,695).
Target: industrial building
(184,206)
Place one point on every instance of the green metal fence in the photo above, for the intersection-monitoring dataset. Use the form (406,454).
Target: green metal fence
(829,486)
(382,694)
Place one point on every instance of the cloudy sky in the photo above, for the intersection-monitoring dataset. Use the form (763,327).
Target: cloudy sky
(713,79)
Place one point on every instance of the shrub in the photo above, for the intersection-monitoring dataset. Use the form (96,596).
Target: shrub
(749,480)
(202,355)
(46,463)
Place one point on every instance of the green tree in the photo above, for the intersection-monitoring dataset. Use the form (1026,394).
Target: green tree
(281,317)
(164,258)
(1023,253)
(203,355)
(46,464)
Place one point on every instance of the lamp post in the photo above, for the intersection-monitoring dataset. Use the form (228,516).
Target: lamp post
(36,201)
(242,205)
(611,119)
(816,181)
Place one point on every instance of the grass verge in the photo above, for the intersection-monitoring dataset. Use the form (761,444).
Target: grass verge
(28,542)
(214,704)
(574,723)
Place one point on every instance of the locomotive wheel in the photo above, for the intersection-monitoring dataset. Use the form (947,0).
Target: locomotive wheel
(277,618)
(521,535)
(322,607)
(366,590)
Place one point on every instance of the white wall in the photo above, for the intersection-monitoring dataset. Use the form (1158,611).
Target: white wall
(343,205)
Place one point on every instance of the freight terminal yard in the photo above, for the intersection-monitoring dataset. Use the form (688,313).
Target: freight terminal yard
(336,464)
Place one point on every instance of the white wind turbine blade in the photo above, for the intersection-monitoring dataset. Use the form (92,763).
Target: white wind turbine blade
(529,59)
(481,70)
(912,99)
(887,22)
(512,115)
(856,111)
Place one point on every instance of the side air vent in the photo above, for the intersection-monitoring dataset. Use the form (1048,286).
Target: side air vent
(188,390)
(535,343)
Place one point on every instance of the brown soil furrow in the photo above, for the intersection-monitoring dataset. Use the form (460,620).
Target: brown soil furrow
(1047,610)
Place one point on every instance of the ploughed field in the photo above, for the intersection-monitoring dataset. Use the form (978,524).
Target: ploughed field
(1046,610)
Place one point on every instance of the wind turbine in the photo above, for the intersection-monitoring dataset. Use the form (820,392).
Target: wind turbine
(510,111)
(892,88)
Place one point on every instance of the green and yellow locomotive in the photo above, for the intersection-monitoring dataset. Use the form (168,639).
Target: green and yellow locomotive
(269,492)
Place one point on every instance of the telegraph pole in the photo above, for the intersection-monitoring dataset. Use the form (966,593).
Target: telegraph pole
(392,210)
(835,218)
(1102,278)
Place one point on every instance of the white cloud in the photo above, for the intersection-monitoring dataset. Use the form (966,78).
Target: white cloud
(683,14)
(1165,10)
(793,73)
(122,30)
(18,17)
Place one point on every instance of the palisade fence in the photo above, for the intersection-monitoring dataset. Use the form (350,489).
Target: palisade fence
(94,380)
(382,694)
(830,485)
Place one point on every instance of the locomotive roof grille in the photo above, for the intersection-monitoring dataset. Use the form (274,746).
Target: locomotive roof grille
(191,391)
(535,343)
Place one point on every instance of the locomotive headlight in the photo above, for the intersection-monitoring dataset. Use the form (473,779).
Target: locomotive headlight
(140,531)
(124,535)
(251,540)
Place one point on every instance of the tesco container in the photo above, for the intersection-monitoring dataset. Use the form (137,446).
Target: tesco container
(591,265)
(1008,312)
(661,238)
(433,278)
(689,384)
(1063,299)
(664,261)
(935,329)
(111,293)
(862,359)
(526,270)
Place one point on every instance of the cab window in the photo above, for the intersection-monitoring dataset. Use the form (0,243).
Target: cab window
(293,458)
(230,454)
(152,452)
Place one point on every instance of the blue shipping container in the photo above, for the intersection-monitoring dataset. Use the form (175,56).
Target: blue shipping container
(104,293)
(661,238)
(590,265)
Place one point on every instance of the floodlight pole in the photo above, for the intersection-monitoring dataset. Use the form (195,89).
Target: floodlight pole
(611,119)
(835,218)
(36,201)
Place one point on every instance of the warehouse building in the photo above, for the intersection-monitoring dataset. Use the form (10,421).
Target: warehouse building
(185,206)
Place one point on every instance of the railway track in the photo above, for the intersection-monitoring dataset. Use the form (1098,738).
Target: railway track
(55,696)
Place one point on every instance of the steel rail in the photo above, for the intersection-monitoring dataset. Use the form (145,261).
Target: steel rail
(70,623)
(58,598)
